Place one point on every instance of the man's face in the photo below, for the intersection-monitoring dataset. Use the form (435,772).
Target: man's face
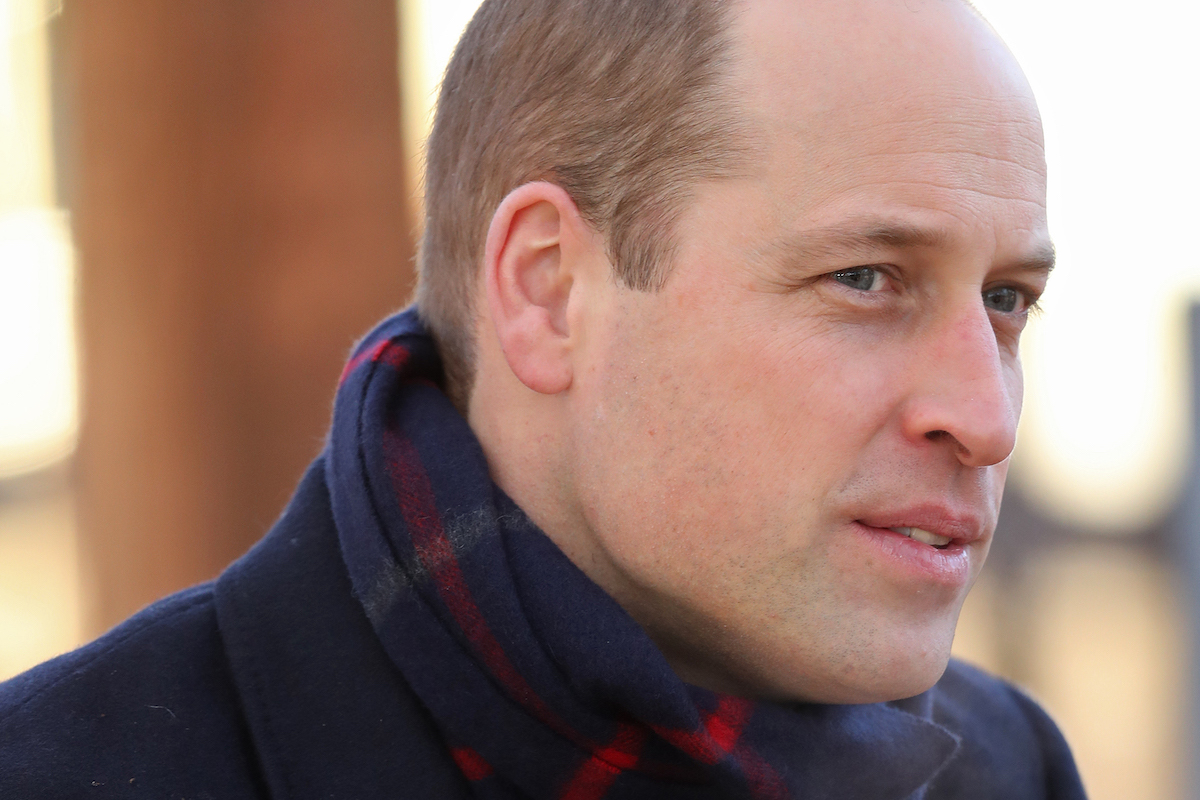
(833,360)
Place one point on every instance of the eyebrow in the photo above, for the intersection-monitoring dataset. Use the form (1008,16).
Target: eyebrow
(1042,259)
(865,239)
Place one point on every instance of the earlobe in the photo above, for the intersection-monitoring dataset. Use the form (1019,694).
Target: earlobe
(529,278)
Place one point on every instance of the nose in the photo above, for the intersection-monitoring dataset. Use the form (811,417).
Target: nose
(963,394)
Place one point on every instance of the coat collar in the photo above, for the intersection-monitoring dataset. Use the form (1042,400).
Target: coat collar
(328,713)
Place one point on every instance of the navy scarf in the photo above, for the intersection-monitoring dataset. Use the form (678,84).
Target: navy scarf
(541,685)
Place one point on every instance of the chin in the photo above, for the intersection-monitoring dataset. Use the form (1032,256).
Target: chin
(870,672)
(892,677)
(897,686)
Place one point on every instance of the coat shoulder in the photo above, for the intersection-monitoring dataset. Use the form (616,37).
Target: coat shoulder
(1010,746)
(148,709)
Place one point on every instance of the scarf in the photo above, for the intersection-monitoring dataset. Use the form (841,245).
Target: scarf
(541,685)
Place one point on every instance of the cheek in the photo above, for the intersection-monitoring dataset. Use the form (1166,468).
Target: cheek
(822,396)
(1015,379)
(721,443)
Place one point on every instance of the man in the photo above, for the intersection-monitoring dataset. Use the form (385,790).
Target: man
(727,296)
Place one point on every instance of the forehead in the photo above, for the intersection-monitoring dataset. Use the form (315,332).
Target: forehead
(901,102)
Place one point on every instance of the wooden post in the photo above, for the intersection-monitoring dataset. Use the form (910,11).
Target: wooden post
(239,208)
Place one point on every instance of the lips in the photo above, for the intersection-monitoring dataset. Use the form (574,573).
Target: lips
(921,555)
(932,524)
(924,536)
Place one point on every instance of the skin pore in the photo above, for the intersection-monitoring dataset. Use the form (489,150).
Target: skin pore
(740,458)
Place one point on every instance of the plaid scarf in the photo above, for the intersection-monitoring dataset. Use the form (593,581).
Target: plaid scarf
(541,685)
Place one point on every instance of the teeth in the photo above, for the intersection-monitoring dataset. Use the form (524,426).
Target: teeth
(923,536)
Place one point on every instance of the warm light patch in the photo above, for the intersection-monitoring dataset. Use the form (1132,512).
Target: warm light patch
(429,30)
(37,348)
(38,417)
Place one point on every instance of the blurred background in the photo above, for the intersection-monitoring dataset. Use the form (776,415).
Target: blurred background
(202,205)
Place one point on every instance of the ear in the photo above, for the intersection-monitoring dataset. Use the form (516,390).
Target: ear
(530,266)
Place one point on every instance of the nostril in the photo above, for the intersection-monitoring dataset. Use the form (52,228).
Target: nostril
(933,436)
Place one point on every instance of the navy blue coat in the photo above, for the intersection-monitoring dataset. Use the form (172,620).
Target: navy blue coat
(270,682)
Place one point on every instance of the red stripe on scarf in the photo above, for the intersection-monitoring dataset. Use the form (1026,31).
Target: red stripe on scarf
(471,764)
(718,734)
(725,724)
(764,782)
(718,738)
(388,352)
(597,774)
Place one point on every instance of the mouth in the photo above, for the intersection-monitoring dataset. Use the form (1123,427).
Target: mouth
(943,556)
(938,526)
(925,537)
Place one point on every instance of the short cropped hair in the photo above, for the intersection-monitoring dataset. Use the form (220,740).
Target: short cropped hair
(622,103)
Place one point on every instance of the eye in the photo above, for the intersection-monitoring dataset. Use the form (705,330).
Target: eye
(865,279)
(1004,299)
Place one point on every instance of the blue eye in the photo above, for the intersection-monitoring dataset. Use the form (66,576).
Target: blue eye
(862,278)
(1003,298)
